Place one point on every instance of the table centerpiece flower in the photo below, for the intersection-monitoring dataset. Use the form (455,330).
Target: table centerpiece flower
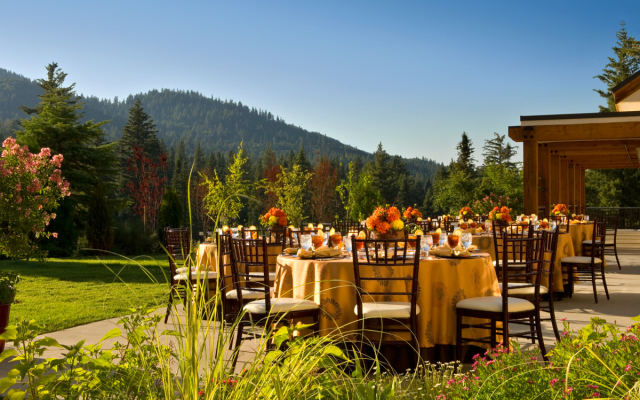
(500,215)
(559,209)
(274,218)
(411,214)
(466,213)
(385,223)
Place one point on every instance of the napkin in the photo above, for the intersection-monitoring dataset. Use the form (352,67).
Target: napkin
(470,230)
(291,250)
(458,251)
(323,251)
(440,251)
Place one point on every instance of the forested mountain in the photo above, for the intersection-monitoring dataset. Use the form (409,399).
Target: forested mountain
(218,125)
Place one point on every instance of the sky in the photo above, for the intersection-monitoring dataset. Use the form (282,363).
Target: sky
(412,75)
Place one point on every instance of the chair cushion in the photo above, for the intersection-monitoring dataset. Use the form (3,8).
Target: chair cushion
(282,304)
(194,275)
(259,276)
(247,294)
(494,304)
(387,309)
(588,242)
(580,260)
(516,288)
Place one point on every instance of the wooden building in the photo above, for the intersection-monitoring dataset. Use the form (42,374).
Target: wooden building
(558,149)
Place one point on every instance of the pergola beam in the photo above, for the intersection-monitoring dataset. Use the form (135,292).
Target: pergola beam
(590,144)
(577,132)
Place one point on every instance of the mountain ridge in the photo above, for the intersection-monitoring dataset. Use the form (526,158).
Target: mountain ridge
(189,115)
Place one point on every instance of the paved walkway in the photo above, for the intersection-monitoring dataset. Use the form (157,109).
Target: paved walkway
(624,288)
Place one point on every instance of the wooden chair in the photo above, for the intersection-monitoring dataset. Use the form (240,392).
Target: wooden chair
(348,228)
(255,296)
(504,308)
(516,252)
(610,247)
(292,239)
(589,268)
(387,316)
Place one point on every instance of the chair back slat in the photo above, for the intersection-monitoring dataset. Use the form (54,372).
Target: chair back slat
(514,250)
(388,254)
(250,259)
(526,271)
(224,262)
(347,228)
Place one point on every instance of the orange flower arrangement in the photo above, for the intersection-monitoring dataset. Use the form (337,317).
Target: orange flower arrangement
(274,217)
(411,213)
(560,209)
(500,213)
(466,213)
(384,220)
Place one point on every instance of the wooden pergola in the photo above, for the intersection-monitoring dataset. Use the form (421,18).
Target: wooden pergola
(558,149)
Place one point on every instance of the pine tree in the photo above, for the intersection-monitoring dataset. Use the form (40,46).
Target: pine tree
(140,131)
(56,123)
(302,160)
(625,64)
(99,229)
(465,160)
(180,177)
(497,152)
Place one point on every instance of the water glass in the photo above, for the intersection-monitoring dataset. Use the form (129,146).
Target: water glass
(519,218)
(346,240)
(305,241)
(443,238)
(465,238)
(487,225)
(586,218)
(425,243)
(552,224)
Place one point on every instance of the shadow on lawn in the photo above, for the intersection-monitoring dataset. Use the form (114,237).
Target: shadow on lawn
(105,269)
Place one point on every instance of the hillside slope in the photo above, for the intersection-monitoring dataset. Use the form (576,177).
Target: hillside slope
(218,125)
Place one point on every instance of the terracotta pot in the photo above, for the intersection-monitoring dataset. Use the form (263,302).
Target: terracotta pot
(4,321)
(389,235)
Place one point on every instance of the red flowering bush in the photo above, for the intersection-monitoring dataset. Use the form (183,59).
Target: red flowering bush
(30,187)
(274,217)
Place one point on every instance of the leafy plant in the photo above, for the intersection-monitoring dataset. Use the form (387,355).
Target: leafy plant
(8,281)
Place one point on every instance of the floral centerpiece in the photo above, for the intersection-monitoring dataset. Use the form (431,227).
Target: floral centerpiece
(385,223)
(274,218)
(412,214)
(500,215)
(466,213)
(560,209)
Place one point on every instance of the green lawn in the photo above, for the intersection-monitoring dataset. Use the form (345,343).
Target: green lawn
(62,293)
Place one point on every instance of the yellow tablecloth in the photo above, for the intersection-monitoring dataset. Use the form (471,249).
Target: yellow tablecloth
(442,283)
(565,249)
(206,258)
(580,233)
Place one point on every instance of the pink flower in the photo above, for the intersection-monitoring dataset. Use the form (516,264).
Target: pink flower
(18,200)
(595,394)
(627,368)
(553,382)
(55,234)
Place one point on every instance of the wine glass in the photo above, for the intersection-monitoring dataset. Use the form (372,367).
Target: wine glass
(305,241)
(465,238)
(552,224)
(346,240)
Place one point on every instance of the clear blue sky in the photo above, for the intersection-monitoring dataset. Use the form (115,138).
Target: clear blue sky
(412,75)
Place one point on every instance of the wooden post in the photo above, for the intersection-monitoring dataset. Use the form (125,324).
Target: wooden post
(583,191)
(571,186)
(544,178)
(554,180)
(564,189)
(530,176)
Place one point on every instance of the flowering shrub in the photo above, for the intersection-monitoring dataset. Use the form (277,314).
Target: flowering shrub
(560,209)
(599,361)
(500,214)
(412,213)
(30,187)
(274,217)
(491,201)
(385,220)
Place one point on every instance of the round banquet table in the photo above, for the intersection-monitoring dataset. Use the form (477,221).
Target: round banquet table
(579,233)
(442,283)
(565,249)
